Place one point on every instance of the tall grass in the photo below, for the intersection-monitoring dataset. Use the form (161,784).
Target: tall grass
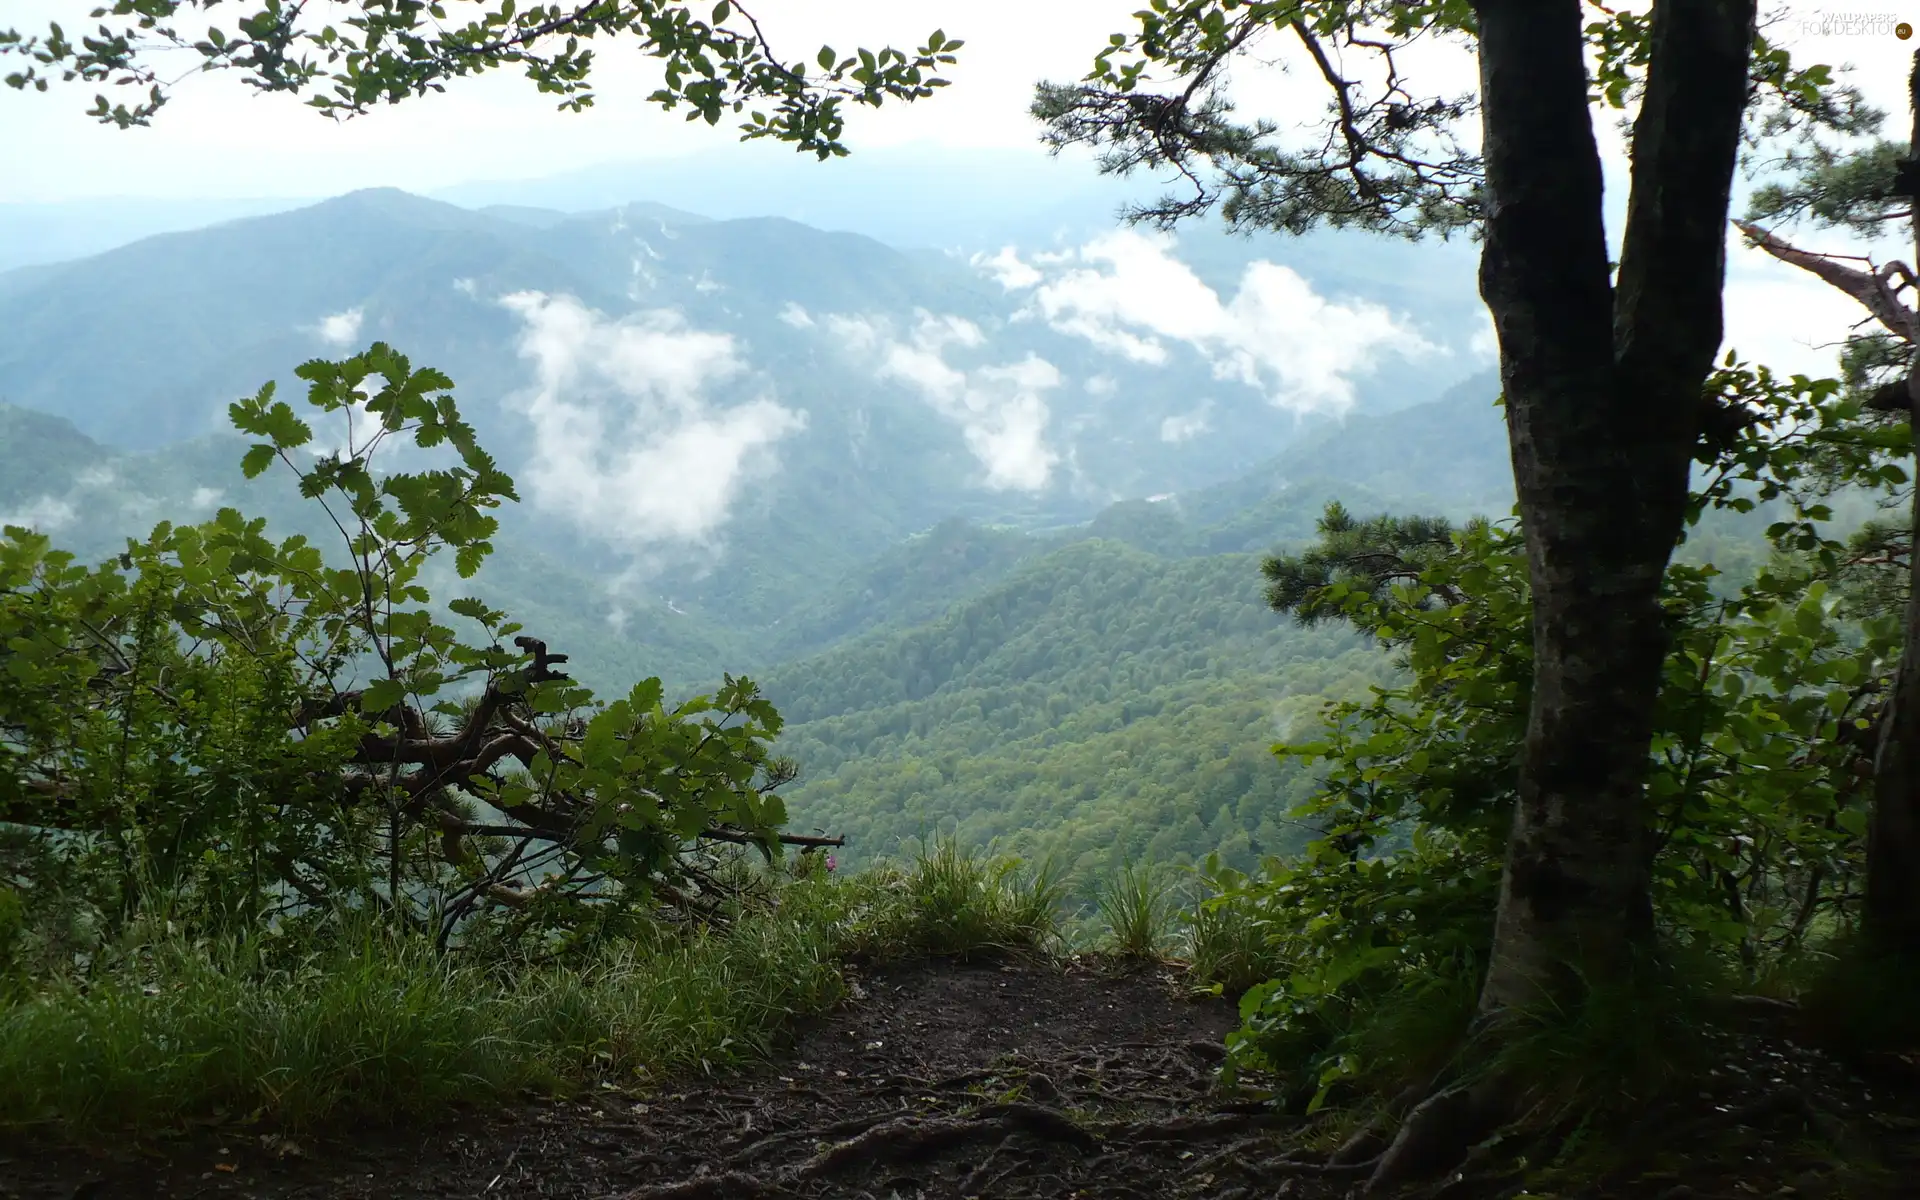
(1137,903)
(375,1027)
(949,900)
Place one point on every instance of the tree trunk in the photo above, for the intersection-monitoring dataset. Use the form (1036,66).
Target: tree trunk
(1604,393)
(1893,840)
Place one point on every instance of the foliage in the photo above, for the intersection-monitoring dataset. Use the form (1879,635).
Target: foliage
(389,52)
(1382,157)
(1228,950)
(1756,805)
(1833,188)
(1381,551)
(222,730)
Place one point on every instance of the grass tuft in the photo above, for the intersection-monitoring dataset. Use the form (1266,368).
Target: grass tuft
(957,901)
(1137,903)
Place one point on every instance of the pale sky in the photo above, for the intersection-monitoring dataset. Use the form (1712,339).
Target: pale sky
(218,139)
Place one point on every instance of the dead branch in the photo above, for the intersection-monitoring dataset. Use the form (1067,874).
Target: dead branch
(1874,290)
(738,838)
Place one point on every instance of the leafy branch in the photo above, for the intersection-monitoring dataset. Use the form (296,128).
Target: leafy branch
(386,51)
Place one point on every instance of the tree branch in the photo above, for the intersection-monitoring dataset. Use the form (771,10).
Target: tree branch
(1874,290)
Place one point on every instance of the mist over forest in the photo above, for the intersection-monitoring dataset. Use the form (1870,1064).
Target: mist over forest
(755,446)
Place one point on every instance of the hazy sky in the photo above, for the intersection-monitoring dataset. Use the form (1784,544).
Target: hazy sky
(218,139)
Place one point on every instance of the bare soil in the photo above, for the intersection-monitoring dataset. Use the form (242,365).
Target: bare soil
(937,1081)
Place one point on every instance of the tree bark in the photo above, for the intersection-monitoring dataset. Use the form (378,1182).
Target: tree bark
(1604,396)
(1892,916)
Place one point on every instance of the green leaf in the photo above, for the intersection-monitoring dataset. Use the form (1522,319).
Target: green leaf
(381,695)
(257,459)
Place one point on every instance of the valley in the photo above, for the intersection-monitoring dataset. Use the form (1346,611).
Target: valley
(1028,613)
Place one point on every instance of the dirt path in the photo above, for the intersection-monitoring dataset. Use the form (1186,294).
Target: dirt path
(941,1081)
(938,1080)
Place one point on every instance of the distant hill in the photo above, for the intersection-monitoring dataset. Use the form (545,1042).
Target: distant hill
(1448,456)
(59,231)
(877,433)
(817,585)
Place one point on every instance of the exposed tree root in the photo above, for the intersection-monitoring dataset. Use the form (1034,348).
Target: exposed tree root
(1233,1158)
(1288,1165)
(730,1185)
(983,1176)
(902,1138)
(1180,1129)
(816,1133)
(1439,1131)
(910,1137)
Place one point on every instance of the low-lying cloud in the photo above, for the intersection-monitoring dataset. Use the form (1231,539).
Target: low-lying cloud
(1187,426)
(627,440)
(340,329)
(48,514)
(1128,294)
(1000,409)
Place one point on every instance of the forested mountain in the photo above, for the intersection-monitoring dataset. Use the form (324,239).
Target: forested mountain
(1097,701)
(1094,689)
(90,497)
(48,232)
(1028,608)
(724,418)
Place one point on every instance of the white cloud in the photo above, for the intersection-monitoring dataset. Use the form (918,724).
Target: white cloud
(1485,343)
(340,328)
(796,316)
(1102,385)
(1007,268)
(626,439)
(1127,293)
(1186,426)
(48,514)
(205,498)
(95,477)
(1000,409)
